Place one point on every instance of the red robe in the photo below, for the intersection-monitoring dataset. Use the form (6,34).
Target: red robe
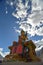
(13,50)
(19,49)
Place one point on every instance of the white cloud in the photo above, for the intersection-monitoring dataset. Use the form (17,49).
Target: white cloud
(3,54)
(31,30)
(6,11)
(10,2)
(21,10)
(1,49)
(37,49)
(6,53)
(35,19)
(17,30)
(39,43)
(40,31)
(37,5)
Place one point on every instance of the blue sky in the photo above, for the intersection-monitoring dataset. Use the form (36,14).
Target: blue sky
(16,15)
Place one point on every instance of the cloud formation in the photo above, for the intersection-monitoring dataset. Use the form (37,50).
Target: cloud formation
(21,10)
(34,21)
(3,54)
(1,49)
(39,43)
(29,15)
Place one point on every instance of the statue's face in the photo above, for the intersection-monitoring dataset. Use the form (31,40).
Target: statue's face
(22,33)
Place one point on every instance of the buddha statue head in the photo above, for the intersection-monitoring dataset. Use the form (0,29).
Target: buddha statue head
(23,35)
